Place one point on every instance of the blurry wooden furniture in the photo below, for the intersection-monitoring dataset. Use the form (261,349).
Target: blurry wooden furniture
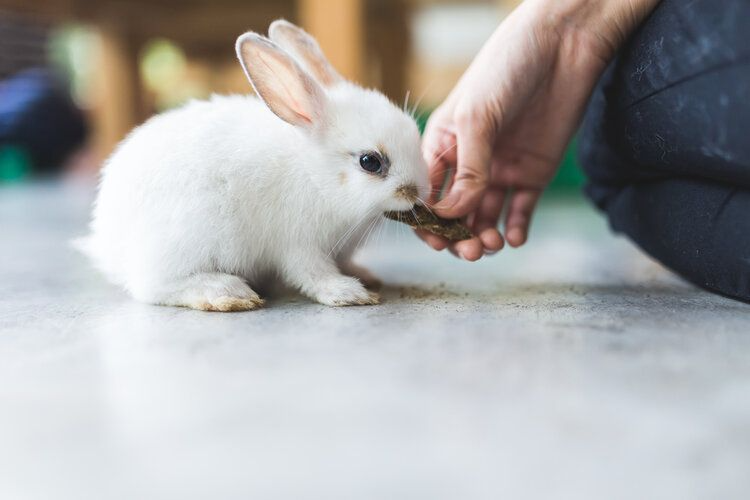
(366,41)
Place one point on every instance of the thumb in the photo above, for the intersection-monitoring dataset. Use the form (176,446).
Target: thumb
(474,151)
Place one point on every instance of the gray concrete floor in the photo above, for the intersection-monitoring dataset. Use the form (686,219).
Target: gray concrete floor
(573,368)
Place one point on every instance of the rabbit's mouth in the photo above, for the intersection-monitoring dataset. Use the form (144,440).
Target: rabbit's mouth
(408,192)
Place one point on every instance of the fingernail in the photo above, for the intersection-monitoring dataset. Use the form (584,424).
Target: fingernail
(446,203)
(491,252)
(442,205)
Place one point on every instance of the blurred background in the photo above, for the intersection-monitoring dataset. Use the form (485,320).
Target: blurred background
(77,75)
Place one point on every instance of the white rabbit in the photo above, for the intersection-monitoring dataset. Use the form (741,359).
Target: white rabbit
(200,203)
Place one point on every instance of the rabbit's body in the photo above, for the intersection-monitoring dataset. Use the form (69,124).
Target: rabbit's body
(165,212)
(199,203)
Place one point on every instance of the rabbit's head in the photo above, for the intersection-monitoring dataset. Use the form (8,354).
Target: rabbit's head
(362,152)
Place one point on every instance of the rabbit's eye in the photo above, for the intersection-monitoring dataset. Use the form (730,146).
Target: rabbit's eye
(371,162)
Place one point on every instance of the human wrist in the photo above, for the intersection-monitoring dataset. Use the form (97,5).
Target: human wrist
(598,26)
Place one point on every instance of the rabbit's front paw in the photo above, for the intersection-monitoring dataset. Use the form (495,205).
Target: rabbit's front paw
(345,291)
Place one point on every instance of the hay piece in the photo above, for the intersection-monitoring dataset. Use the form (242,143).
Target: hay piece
(422,218)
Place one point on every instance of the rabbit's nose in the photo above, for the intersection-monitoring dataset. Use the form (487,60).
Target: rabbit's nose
(408,192)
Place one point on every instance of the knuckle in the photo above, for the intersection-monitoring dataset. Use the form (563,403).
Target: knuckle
(473,178)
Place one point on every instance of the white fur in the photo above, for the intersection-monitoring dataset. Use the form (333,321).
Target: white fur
(200,201)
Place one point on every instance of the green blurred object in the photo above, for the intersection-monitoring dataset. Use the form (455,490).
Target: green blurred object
(421,118)
(15,164)
(569,178)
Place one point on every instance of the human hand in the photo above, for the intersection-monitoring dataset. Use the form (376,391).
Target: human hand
(505,126)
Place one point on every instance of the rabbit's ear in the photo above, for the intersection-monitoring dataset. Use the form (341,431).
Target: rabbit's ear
(306,49)
(291,93)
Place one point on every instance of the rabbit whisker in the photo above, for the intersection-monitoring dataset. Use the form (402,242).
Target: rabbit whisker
(421,96)
(341,241)
(424,204)
(414,213)
(369,232)
(444,152)
(379,236)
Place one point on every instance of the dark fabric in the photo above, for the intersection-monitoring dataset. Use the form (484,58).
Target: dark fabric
(38,116)
(665,143)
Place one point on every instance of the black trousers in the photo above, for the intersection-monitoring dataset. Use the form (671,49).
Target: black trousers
(665,143)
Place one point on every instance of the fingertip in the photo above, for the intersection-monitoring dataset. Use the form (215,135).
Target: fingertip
(433,240)
(470,250)
(491,240)
(516,237)
(445,207)
(437,243)
(519,216)
(457,204)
